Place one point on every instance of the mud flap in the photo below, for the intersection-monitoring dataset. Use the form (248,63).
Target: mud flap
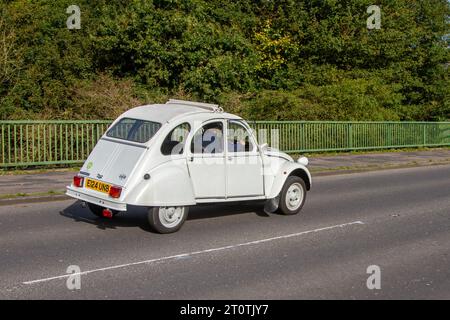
(271,205)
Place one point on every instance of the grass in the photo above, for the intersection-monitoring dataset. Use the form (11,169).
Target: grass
(5,172)
(33,194)
(372,167)
(362,152)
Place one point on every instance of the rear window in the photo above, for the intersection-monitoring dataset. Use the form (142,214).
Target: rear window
(134,130)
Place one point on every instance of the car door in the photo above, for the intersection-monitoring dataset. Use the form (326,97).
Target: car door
(206,161)
(244,168)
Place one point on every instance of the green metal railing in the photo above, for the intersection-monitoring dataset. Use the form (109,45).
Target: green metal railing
(33,143)
(319,136)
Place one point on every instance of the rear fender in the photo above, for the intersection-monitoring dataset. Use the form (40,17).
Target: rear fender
(169,185)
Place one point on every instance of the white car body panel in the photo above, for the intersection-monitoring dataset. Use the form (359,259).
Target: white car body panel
(169,185)
(244,176)
(282,174)
(188,178)
(207,174)
(88,196)
(110,157)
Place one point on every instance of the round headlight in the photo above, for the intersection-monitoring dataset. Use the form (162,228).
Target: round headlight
(303,160)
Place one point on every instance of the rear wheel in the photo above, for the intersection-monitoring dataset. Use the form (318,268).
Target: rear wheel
(167,219)
(98,211)
(293,196)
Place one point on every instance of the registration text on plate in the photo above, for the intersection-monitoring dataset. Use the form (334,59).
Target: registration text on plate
(97,185)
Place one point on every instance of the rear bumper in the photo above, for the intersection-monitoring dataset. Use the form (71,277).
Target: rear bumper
(83,196)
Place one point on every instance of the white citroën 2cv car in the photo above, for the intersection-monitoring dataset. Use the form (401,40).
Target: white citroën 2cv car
(170,156)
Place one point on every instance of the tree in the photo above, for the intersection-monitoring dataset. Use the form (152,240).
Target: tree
(310,53)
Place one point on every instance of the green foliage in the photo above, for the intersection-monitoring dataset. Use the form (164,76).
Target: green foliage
(285,59)
(362,100)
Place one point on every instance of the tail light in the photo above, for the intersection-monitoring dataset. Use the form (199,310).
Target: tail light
(107,213)
(114,192)
(78,181)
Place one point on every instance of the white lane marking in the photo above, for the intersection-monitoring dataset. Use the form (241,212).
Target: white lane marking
(189,254)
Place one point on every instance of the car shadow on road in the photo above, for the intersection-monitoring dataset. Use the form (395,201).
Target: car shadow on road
(133,218)
(137,216)
(228,209)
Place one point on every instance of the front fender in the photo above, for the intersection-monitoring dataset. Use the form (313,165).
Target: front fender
(169,185)
(286,170)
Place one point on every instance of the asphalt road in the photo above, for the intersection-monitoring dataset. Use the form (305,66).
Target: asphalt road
(398,220)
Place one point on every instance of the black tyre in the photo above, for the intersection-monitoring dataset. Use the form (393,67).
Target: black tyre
(98,211)
(167,219)
(292,196)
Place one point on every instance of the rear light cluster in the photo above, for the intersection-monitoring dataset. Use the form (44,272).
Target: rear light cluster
(78,181)
(114,192)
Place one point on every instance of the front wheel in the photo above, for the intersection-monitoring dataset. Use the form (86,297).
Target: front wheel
(167,219)
(293,196)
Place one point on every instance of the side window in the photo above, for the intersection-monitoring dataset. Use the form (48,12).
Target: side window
(208,139)
(238,139)
(175,140)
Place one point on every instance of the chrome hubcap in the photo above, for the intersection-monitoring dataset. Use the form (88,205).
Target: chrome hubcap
(170,216)
(294,196)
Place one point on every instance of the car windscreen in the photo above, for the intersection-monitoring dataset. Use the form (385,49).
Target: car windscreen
(135,130)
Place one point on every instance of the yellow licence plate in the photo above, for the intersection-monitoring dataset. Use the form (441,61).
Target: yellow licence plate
(97,185)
